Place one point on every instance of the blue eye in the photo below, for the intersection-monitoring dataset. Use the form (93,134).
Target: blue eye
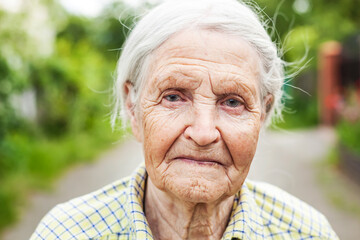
(231,102)
(173,98)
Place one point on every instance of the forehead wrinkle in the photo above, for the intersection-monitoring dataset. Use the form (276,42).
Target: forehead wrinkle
(242,74)
(176,48)
(242,62)
(201,61)
(178,76)
(244,58)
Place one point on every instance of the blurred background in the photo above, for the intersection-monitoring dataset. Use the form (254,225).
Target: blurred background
(57,63)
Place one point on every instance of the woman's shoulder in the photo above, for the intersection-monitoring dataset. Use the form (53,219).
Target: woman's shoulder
(284,212)
(88,216)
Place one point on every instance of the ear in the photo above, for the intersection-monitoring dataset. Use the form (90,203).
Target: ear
(130,110)
(268,102)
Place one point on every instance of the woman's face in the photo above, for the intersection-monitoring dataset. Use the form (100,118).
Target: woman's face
(199,115)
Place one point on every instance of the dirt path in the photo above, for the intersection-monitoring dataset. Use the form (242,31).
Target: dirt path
(286,159)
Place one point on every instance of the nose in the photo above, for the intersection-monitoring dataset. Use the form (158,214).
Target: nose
(202,128)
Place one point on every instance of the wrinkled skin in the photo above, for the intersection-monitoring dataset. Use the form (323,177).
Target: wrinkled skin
(199,118)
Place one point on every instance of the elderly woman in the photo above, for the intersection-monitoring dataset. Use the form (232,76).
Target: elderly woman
(197,80)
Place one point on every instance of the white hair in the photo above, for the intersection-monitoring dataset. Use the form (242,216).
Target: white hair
(226,16)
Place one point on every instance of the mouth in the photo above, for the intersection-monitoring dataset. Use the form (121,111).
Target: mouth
(199,161)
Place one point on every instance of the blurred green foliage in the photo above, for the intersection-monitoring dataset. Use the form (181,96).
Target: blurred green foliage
(349,135)
(73,89)
(301,33)
(72,84)
(348,126)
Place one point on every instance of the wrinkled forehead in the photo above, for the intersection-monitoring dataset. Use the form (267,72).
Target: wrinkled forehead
(210,44)
(196,53)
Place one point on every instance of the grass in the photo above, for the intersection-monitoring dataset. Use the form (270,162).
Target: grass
(34,163)
(337,187)
(349,135)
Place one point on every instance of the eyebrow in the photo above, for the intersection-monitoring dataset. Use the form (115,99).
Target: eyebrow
(248,93)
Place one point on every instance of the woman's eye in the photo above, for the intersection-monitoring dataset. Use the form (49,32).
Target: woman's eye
(231,102)
(173,98)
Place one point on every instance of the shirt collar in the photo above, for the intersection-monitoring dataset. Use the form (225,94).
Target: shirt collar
(139,226)
(245,222)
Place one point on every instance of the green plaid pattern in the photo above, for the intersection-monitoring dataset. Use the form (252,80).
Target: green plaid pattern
(115,212)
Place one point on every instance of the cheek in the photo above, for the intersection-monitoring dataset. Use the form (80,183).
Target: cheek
(241,140)
(243,148)
(241,137)
(160,129)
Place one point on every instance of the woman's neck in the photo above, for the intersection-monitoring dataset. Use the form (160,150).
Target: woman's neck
(171,218)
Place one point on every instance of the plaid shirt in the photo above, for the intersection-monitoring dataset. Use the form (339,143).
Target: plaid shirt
(260,211)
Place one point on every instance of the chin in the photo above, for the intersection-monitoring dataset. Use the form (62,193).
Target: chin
(196,190)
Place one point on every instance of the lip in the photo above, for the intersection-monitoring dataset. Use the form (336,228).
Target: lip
(200,161)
